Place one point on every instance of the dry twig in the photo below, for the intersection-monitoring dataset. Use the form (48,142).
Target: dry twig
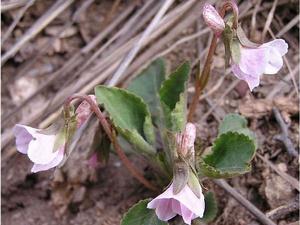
(244,202)
(39,25)
(284,137)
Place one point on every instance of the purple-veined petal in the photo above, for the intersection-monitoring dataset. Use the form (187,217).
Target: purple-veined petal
(278,44)
(252,81)
(164,210)
(187,215)
(253,60)
(40,149)
(23,136)
(56,161)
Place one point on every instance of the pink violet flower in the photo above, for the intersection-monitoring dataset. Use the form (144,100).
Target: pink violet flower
(39,147)
(266,59)
(213,19)
(186,204)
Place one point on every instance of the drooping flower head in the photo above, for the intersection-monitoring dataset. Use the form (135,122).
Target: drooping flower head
(253,62)
(186,204)
(45,148)
(248,60)
(184,196)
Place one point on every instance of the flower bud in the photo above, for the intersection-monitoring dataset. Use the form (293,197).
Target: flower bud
(185,140)
(213,19)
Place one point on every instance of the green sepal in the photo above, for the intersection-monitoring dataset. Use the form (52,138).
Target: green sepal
(193,183)
(227,36)
(180,176)
(130,115)
(139,214)
(173,98)
(235,50)
(244,39)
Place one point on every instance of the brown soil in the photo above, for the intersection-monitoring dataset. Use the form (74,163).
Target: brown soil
(77,194)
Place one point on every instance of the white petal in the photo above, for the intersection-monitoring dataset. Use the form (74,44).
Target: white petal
(40,150)
(275,62)
(278,44)
(56,161)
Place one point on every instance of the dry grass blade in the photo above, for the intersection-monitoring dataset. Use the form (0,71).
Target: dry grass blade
(39,25)
(269,20)
(288,26)
(244,202)
(128,59)
(6,6)
(74,61)
(98,73)
(16,20)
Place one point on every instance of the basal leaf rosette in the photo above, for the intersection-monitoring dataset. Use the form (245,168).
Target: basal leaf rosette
(130,115)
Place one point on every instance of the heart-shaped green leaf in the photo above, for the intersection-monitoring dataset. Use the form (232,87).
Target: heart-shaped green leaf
(231,155)
(236,123)
(147,85)
(139,214)
(130,115)
(173,98)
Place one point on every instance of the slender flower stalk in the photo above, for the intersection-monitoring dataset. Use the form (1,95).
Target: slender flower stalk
(202,80)
(112,136)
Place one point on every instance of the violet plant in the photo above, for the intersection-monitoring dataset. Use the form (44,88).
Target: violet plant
(151,117)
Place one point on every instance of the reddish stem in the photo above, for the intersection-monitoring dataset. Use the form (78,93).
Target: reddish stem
(111,134)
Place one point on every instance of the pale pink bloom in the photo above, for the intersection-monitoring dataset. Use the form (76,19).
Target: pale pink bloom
(93,161)
(186,204)
(83,111)
(186,139)
(266,59)
(39,147)
(213,19)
